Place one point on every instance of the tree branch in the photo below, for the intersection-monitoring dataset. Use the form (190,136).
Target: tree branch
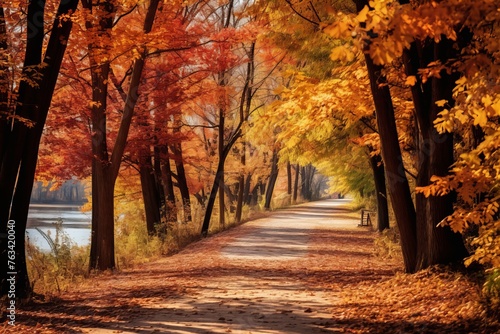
(299,14)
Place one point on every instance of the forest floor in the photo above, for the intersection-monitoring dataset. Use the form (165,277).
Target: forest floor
(306,269)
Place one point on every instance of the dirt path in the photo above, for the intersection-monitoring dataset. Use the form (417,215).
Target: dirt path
(308,269)
(256,291)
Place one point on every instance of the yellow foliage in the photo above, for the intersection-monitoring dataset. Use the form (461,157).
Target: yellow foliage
(338,30)
(480,117)
(411,80)
(441,103)
(342,53)
(383,30)
(363,14)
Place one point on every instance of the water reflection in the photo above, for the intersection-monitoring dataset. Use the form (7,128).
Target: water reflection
(75,224)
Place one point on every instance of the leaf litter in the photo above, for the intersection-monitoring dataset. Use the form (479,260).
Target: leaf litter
(340,286)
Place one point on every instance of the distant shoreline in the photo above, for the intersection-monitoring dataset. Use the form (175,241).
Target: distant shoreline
(47,215)
(56,205)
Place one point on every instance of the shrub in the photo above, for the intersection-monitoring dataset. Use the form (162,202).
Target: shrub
(64,265)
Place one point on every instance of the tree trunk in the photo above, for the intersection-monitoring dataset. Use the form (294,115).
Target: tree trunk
(219,175)
(105,232)
(168,188)
(289,178)
(95,219)
(272,180)
(435,155)
(202,198)
(182,182)
(306,188)
(100,157)
(230,195)
(296,184)
(241,185)
(247,195)
(380,188)
(310,181)
(303,181)
(414,58)
(397,181)
(158,177)
(223,147)
(399,188)
(254,197)
(239,201)
(211,199)
(441,246)
(220,169)
(99,77)
(106,168)
(15,139)
(19,144)
(150,193)
(307,178)
(5,110)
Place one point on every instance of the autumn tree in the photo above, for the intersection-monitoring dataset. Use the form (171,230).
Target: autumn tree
(382,30)
(333,118)
(296,28)
(105,167)
(25,99)
(239,81)
(470,112)
(160,137)
(429,45)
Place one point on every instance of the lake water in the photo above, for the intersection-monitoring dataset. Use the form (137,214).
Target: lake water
(75,224)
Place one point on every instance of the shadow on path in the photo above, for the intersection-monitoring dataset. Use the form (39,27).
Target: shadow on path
(288,273)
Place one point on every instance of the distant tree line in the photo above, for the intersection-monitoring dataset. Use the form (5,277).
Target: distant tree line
(70,192)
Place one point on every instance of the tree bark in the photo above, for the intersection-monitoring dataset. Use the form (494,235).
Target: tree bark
(435,155)
(246,192)
(158,177)
(99,76)
(397,181)
(399,188)
(296,183)
(244,112)
(150,193)
(441,245)
(381,192)
(168,188)
(289,178)
(239,200)
(241,185)
(254,197)
(219,175)
(105,228)
(303,182)
(220,168)
(99,163)
(182,182)
(311,173)
(5,110)
(414,58)
(307,180)
(272,180)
